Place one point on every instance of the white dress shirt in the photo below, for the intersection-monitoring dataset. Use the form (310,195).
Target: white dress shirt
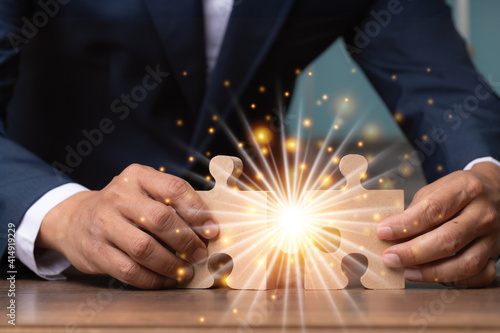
(50,264)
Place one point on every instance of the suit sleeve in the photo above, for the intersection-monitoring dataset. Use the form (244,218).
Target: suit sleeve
(23,176)
(418,63)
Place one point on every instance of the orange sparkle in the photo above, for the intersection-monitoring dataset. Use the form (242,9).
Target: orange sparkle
(268,117)
(291,145)
(307,122)
(208,153)
(162,169)
(430,101)
(264,151)
(253,106)
(439,168)
(191,159)
(361,144)
(394,77)
(287,94)
(325,97)
(211,130)
(262,89)
(208,178)
(185,73)
(326,180)
(227,83)
(398,117)
(179,122)
(263,135)
(329,149)
(240,144)
(215,117)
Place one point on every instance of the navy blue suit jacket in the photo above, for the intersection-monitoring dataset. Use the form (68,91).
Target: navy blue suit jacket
(133,67)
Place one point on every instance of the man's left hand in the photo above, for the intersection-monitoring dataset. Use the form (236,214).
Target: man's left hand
(455,225)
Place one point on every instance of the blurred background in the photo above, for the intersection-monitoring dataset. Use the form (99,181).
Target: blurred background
(365,125)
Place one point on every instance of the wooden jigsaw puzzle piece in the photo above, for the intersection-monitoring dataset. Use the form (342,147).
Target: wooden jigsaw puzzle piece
(355,213)
(242,218)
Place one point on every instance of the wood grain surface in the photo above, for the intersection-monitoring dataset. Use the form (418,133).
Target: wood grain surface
(101,304)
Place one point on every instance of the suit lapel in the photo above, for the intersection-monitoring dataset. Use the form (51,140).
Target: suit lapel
(251,31)
(180,27)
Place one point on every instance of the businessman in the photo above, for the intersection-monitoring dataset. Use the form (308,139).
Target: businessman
(92,93)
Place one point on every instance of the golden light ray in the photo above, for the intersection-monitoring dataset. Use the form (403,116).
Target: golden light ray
(289,187)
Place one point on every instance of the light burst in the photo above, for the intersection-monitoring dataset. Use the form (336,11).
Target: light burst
(291,222)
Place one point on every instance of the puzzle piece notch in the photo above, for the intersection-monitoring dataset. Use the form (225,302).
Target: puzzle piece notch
(241,216)
(359,215)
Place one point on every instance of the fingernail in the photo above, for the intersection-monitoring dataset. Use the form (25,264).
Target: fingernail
(210,230)
(384,233)
(187,272)
(391,260)
(413,274)
(200,254)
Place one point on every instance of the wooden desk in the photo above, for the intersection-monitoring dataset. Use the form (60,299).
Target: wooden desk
(97,304)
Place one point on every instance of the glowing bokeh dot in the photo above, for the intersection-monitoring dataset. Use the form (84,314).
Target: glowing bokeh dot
(263,135)
(398,117)
(291,145)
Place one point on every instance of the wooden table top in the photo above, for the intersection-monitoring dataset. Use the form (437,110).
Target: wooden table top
(100,303)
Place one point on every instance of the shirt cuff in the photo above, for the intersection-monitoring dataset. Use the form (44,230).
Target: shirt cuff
(48,264)
(481,160)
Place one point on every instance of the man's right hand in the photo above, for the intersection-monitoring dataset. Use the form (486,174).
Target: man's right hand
(108,231)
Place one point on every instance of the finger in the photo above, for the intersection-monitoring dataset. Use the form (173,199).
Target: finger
(146,251)
(177,192)
(433,210)
(122,267)
(428,189)
(483,279)
(464,265)
(163,222)
(439,243)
